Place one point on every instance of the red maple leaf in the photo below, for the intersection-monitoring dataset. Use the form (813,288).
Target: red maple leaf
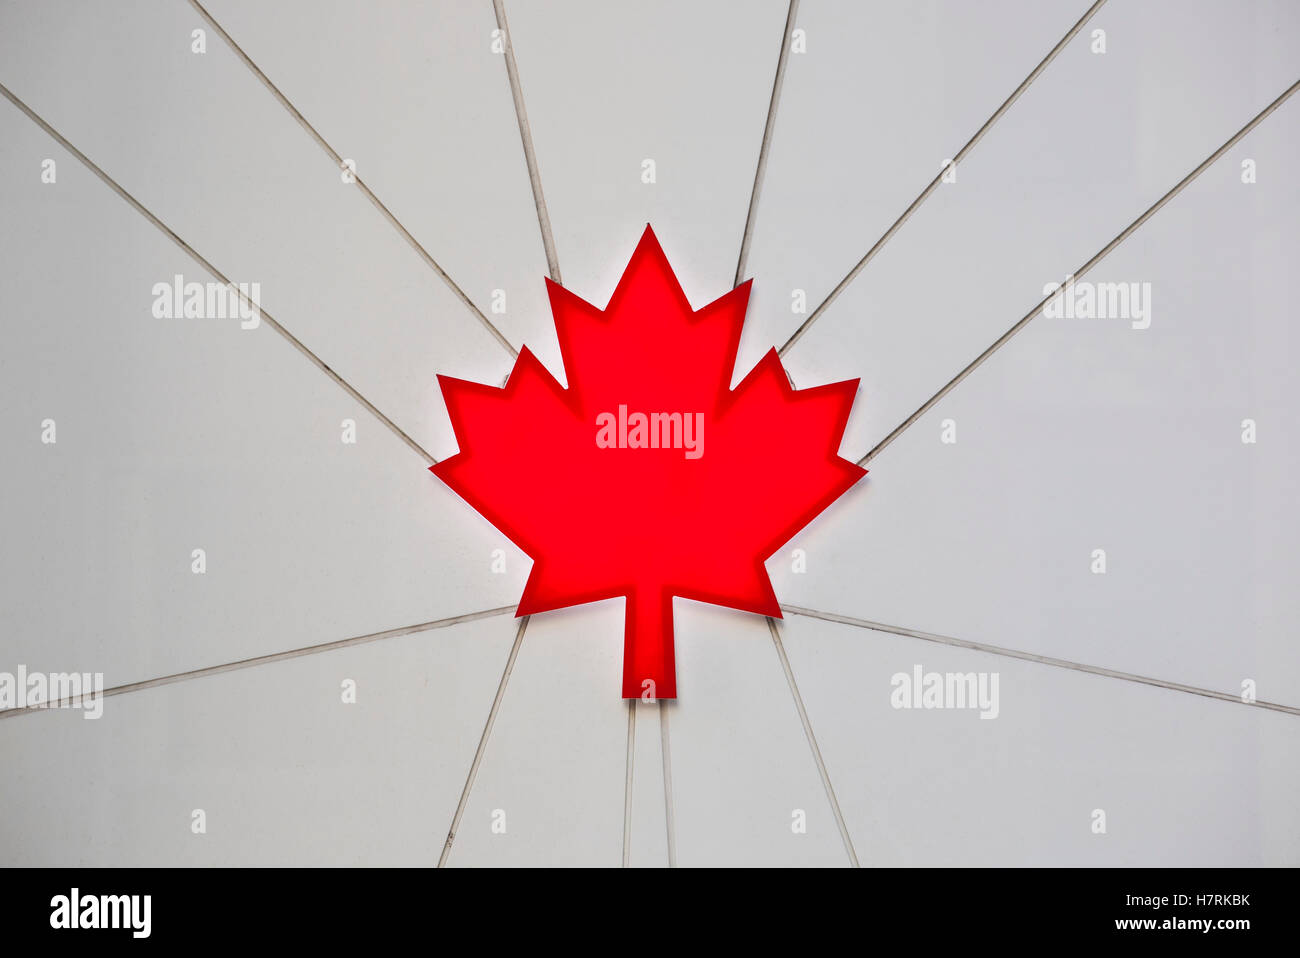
(688,501)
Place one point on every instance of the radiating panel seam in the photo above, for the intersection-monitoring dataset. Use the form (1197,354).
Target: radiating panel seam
(265,659)
(812,744)
(934,183)
(1034,657)
(203,262)
(482,743)
(670,818)
(1078,273)
(358,181)
(761,168)
(526,135)
(627,782)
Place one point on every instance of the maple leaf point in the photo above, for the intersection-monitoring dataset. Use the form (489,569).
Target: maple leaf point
(648,477)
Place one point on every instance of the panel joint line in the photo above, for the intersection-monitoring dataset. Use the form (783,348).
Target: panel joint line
(482,744)
(1079,273)
(934,183)
(768,127)
(1033,657)
(262,660)
(627,782)
(358,182)
(812,743)
(670,820)
(526,135)
(190,251)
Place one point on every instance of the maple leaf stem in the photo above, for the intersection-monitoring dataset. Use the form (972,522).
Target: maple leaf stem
(648,665)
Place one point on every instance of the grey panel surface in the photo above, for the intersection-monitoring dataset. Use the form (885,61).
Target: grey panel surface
(1081,434)
(1088,147)
(883,93)
(415,95)
(285,772)
(742,770)
(554,788)
(647,827)
(608,87)
(1182,780)
(1085,434)
(199,141)
(180,434)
